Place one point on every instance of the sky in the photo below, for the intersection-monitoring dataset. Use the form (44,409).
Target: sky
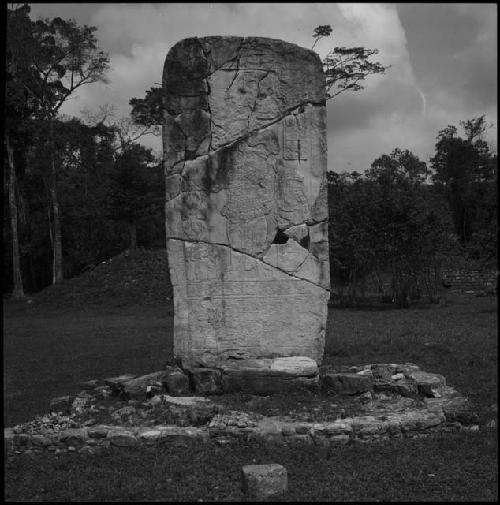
(442,57)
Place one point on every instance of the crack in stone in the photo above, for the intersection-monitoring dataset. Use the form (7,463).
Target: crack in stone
(192,241)
(267,72)
(249,133)
(209,113)
(236,59)
(303,261)
(208,56)
(313,223)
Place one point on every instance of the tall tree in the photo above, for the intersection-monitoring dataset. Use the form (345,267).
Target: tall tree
(20,106)
(386,220)
(62,57)
(136,187)
(465,171)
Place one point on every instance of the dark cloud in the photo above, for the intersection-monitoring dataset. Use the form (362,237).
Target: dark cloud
(453,48)
(443,57)
(357,110)
(82,12)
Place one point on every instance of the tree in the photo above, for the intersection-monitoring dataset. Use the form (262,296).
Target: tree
(60,57)
(386,220)
(465,171)
(352,238)
(136,188)
(346,67)
(20,106)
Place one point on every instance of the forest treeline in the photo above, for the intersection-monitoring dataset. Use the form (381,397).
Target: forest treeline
(78,191)
(404,219)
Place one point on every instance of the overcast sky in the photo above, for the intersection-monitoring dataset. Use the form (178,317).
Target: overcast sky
(443,61)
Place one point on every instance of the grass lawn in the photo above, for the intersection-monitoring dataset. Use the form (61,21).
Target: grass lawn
(48,351)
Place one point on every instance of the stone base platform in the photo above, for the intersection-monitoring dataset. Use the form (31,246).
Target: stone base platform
(394,401)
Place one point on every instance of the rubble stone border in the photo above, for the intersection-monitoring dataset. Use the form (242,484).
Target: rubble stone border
(439,408)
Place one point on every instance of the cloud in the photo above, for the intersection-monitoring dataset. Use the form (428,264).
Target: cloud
(442,57)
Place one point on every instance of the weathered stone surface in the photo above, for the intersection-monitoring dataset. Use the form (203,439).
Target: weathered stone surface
(420,420)
(347,383)
(136,387)
(103,392)
(41,440)
(176,382)
(264,376)
(81,402)
(61,404)
(231,305)
(90,384)
(115,383)
(403,387)
(74,436)
(383,371)
(206,381)
(122,438)
(98,432)
(245,158)
(428,383)
(455,409)
(264,481)
(407,368)
(299,233)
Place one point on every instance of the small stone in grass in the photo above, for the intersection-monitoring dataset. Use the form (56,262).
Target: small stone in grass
(263,481)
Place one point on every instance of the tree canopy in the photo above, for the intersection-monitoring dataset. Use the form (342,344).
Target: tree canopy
(386,220)
(466,173)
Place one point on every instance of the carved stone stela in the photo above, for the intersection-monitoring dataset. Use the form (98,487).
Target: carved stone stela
(244,142)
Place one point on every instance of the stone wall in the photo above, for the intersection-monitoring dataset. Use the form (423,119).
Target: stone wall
(464,280)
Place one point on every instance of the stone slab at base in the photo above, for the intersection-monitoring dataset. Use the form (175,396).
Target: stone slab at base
(262,376)
(347,383)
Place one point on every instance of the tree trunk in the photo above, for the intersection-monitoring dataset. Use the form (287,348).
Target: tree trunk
(132,231)
(57,271)
(17,285)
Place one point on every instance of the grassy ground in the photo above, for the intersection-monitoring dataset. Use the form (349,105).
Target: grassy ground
(459,467)
(48,350)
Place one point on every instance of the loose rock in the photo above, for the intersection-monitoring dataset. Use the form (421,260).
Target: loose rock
(264,481)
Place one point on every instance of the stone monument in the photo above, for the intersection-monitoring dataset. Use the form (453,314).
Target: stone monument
(244,141)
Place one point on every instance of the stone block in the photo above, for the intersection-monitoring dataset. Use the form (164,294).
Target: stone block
(115,383)
(150,435)
(347,383)
(103,392)
(428,384)
(74,436)
(41,440)
(137,387)
(22,439)
(264,481)
(206,381)
(122,438)
(81,402)
(176,382)
(90,384)
(264,376)
(403,387)
(98,432)
(185,401)
(383,371)
(61,404)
